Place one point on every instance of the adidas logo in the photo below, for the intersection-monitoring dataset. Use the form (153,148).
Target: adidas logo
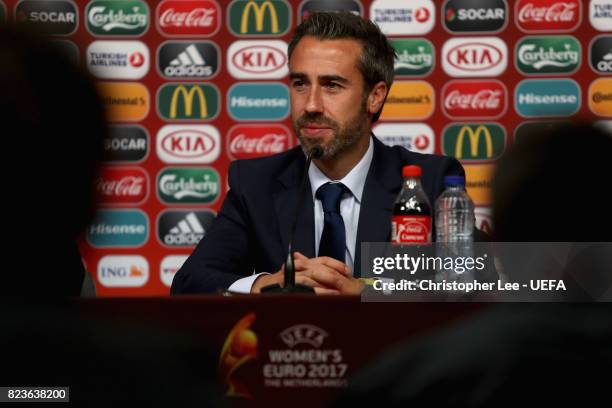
(188,63)
(188,231)
(608,56)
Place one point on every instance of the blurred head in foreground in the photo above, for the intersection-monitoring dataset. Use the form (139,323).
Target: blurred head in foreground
(550,186)
(54,126)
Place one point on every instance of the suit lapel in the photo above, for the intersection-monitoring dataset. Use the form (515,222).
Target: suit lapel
(285,204)
(382,185)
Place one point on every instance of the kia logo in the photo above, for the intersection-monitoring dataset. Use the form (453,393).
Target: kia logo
(188,143)
(474,56)
(259,59)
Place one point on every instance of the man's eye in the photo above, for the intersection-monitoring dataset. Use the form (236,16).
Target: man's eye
(297,84)
(332,85)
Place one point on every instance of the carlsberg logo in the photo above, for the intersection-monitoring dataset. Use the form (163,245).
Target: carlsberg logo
(188,185)
(548,55)
(117,18)
(414,56)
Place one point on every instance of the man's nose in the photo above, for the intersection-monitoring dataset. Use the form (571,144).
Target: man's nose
(314,103)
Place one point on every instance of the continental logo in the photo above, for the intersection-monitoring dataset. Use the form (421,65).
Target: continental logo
(479,179)
(259,17)
(474,141)
(124,102)
(188,102)
(600,97)
(409,100)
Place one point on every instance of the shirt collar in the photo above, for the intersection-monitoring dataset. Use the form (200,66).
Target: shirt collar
(354,180)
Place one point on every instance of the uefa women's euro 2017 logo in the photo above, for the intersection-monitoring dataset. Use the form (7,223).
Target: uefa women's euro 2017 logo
(239,348)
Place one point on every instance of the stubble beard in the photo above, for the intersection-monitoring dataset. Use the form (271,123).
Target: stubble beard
(343,138)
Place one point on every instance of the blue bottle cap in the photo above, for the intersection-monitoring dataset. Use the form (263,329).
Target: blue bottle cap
(453,181)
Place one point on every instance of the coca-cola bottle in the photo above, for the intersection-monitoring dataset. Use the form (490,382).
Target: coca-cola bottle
(411,219)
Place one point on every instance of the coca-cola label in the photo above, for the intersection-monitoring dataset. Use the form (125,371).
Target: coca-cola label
(122,185)
(548,15)
(251,141)
(411,229)
(474,99)
(200,18)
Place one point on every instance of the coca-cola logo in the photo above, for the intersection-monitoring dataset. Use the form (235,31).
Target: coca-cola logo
(188,18)
(121,185)
(548,15)
(188,143)
(247,142)
(475,99)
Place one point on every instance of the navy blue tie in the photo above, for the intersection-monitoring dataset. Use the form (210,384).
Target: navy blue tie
(333,239)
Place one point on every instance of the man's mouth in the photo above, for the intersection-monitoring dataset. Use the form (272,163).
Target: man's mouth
(314,129)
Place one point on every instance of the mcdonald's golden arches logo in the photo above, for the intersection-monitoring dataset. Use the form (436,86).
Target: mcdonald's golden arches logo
(259,17)
(188,102)
(474,141)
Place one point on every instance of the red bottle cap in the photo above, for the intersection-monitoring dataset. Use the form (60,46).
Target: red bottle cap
(411,171)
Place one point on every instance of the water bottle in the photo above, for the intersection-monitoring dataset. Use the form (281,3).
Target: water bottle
(454,212)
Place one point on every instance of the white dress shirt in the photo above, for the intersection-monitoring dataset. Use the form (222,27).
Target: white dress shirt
(349,209)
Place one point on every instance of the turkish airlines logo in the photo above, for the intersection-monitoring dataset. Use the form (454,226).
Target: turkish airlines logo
(188,144)
(397,17)
(118,59)
(251,141)
(122,185)
(548,15)
(200,18)
(417,137)
(474,56)
(257,59)
(475,99)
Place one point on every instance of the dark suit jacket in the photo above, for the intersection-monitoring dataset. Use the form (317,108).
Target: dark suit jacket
(251,232)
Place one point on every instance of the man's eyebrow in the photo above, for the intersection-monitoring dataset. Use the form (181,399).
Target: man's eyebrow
(337,78)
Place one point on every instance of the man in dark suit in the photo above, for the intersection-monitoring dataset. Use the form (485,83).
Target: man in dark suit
(341,69)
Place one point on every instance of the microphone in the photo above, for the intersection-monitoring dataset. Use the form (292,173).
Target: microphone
(289,275)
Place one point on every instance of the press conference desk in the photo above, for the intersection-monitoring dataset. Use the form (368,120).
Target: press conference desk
(284,349)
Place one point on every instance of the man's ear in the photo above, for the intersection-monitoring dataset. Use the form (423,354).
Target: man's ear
(376,98)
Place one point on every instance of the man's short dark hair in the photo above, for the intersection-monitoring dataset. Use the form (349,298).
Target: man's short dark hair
(377,55)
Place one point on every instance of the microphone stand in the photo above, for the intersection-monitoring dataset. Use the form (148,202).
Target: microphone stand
(289,275)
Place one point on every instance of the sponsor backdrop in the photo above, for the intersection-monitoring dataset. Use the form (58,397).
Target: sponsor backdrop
(191,85)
